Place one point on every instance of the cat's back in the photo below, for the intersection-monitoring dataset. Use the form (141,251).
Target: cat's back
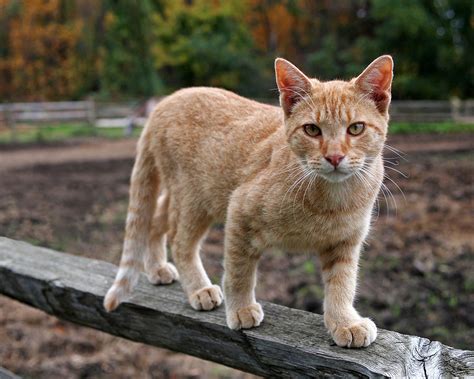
(207,119)
(208,106)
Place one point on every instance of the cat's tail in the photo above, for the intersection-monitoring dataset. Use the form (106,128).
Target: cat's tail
(144,186)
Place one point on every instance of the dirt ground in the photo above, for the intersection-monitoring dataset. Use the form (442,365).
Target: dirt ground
(416,274)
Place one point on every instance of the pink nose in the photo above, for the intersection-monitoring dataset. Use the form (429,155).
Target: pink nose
(334,159)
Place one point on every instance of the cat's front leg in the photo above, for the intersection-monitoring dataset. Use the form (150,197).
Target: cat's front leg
(339,268)
(240,276)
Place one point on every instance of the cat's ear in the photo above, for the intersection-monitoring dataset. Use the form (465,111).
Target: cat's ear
(292,84)
(376,82)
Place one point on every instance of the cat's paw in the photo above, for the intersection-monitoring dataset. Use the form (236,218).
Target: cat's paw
(206,298)
(357,333)
(245,317)
(163,274)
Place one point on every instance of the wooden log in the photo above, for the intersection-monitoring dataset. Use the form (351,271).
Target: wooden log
(5,374)
(290,343)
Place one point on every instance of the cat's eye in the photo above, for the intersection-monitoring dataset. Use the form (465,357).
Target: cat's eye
(356,128)
(312,130)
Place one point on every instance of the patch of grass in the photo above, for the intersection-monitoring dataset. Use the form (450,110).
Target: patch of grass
(469,285)
(309,267)
(429,127)
(395,310)
(60,132)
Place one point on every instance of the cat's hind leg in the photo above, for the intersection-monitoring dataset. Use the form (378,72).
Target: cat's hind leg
(188,228)
(144,189)
(157,268)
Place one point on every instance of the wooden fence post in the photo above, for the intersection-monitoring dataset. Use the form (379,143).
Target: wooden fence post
(455,109)
(11,122)
(91,112)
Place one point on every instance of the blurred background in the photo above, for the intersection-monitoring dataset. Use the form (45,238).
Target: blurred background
(59,49)
(79,77)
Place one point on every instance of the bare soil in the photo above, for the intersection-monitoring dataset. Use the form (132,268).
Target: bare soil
(416,274)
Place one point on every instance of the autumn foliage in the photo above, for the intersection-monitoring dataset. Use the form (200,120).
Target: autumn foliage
(70,49)
(43,60)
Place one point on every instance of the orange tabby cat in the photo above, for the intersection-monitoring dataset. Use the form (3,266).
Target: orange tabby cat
(301,177)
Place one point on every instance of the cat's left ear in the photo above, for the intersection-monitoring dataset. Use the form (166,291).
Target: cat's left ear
(293,85)
(376,81)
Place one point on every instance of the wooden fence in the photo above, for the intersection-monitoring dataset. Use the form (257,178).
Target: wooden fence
(90,112)
(433,111)
(103,114)
(289,344)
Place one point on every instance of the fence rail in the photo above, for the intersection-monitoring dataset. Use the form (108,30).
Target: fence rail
(290,343)
(121,114)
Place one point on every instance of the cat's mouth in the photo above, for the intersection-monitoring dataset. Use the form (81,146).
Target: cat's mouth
(332,174)
(337,175)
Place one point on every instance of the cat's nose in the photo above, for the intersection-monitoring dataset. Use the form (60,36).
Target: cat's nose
(335,159)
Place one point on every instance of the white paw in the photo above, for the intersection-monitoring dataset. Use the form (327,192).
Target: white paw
(357,333)
(245,317)
(163,274)
(206,298)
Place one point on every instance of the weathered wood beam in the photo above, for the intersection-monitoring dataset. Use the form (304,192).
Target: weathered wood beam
(290,342)
(5,374)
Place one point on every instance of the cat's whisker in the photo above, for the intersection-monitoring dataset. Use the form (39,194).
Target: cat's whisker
(385,194)
(297,171)
(363,180)
(391,196)
(311,181)
(371,160)
(392,148)
(398,171)
(385,160)
(392,163)
(377,206)
(396,185)
(295,183)
(288,168)
(308,175)
(395,159)
(395,151)
(383,188)
(300,171)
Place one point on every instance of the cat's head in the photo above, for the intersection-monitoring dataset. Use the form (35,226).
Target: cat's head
(336,128)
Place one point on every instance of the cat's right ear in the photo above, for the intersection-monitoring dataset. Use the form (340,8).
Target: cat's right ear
(292,84)
(376,82)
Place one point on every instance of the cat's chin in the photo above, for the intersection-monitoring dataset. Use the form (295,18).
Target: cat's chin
(336,176)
